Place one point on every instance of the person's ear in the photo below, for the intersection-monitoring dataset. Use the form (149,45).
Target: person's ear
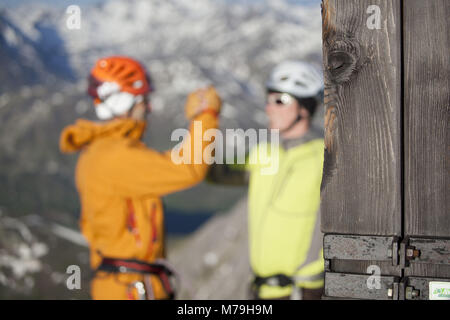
(303,112)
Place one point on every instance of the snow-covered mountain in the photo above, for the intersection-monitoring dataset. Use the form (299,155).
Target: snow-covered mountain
(183,43)
(30,53)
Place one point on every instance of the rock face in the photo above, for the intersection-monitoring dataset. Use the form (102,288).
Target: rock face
(213,262)
(20,254)
(34,257)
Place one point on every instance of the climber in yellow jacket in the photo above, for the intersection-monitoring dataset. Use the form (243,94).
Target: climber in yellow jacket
(120,181)
(285,241)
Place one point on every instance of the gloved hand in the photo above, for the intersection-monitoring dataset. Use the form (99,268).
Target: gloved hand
(202,100)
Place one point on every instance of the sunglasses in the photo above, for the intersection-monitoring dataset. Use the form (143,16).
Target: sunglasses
(280,99)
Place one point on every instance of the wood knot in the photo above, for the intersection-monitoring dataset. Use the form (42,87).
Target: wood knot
(342,60)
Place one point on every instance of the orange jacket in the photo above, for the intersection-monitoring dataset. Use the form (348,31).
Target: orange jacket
(120,182)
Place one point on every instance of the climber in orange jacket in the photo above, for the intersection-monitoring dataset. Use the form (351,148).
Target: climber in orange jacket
(120,181)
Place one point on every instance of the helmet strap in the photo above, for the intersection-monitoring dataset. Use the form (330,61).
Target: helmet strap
(293,123)
(137,99)
(297,119)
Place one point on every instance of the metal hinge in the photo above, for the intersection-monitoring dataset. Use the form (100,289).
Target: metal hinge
(407,253)
(411,293)
(361,248)
(400,251)
(424,251)
(393,252)
(377,248)
(401,290)
(355,286)
(414,288)
(394,292)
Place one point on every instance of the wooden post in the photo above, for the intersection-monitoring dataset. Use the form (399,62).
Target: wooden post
(386,165)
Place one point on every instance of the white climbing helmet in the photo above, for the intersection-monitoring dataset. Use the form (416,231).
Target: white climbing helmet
(297,78)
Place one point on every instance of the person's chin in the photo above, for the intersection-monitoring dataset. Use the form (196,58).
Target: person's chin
(273,126)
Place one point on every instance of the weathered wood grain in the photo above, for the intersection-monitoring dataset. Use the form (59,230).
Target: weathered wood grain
(360,267)
(426,117)
(428,270)
(361,186)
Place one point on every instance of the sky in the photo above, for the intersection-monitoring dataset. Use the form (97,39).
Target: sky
(64,3)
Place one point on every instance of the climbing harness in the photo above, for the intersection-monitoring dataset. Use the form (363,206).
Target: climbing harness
(282,280)
(162,270)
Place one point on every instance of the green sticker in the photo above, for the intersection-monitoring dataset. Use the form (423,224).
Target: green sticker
(439,290)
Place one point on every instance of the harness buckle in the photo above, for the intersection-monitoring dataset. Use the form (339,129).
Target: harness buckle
(140,288)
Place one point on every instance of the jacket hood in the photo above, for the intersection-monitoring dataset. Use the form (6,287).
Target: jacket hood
(83,132)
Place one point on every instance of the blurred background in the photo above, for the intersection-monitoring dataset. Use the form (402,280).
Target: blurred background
(232,44)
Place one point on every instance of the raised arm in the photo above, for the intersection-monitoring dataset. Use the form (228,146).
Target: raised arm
(141,170)
(228,175)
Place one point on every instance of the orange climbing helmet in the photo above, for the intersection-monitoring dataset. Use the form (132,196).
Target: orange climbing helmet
(128,73)
(116,83)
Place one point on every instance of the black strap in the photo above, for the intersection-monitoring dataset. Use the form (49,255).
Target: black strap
(278,280)
(293,123)
(113,265)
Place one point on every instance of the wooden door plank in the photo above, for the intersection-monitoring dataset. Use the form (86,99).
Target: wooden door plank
(361,186)
(426,116)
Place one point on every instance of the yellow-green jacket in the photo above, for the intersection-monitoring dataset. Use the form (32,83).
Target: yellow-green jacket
(284,226)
